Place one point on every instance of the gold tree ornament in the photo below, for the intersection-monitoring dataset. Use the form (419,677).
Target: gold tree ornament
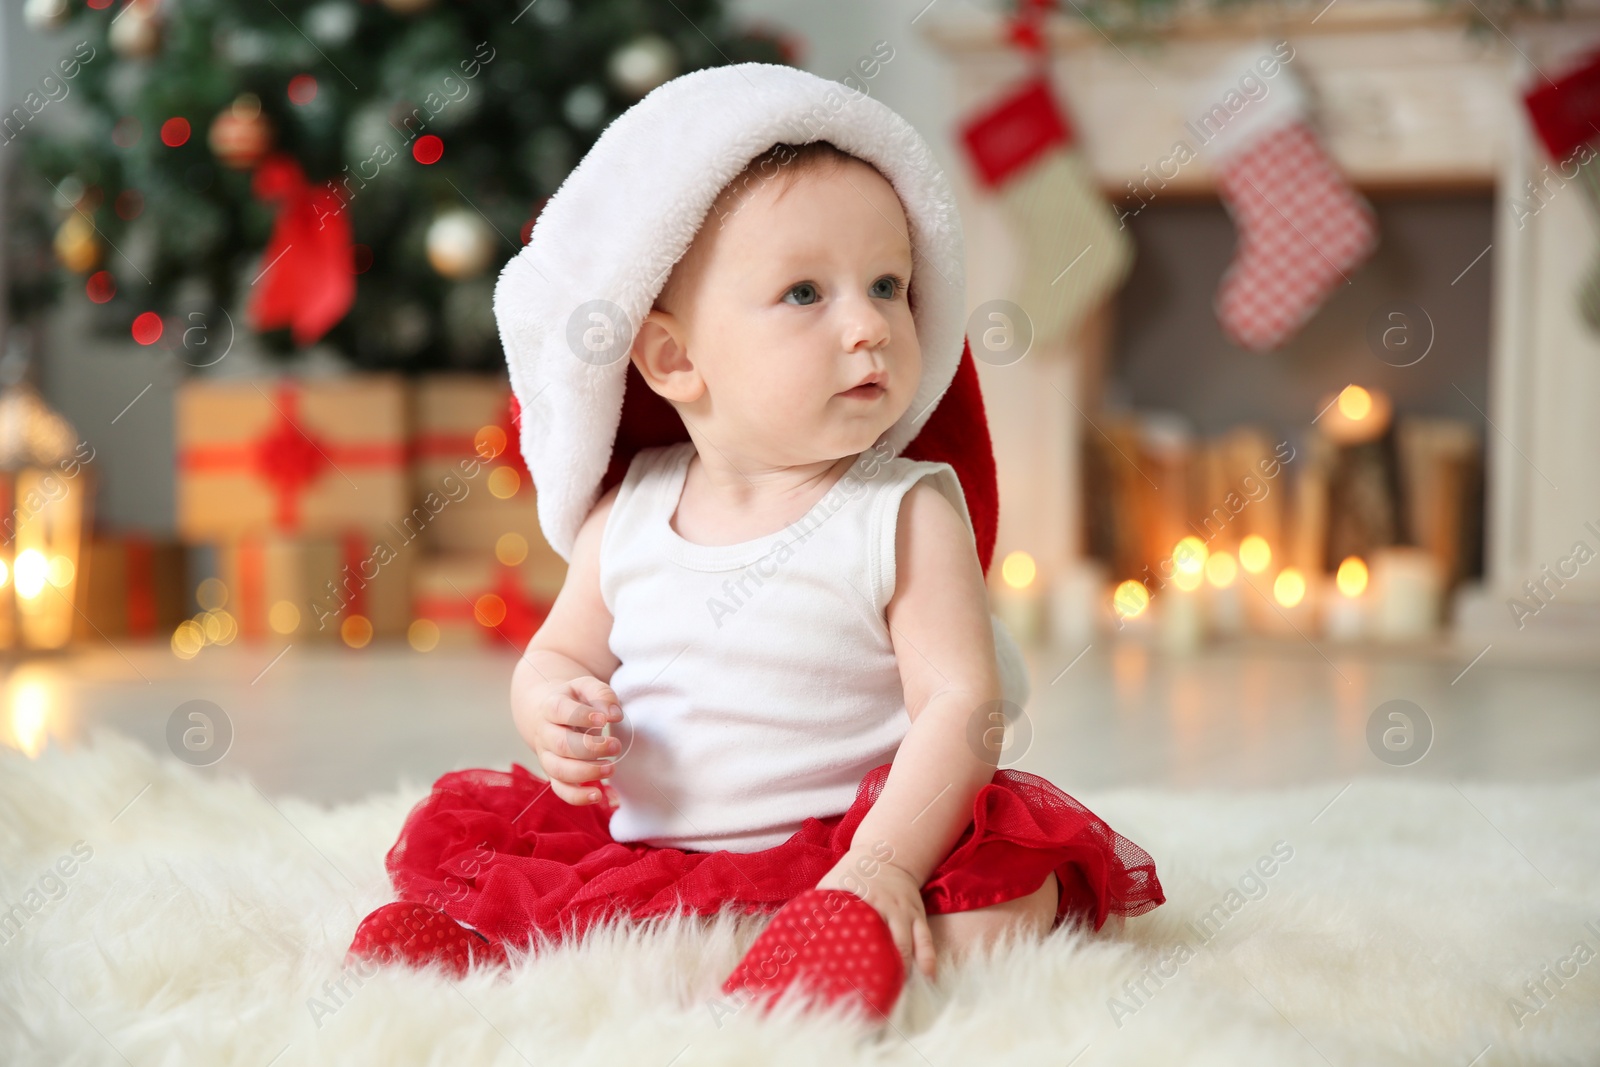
(77,246)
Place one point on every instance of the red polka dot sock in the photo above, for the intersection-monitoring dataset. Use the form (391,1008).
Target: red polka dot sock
(420,936)
(834,944)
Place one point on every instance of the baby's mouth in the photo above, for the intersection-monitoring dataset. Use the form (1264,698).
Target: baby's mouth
(870,390)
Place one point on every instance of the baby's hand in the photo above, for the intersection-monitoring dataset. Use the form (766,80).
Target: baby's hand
(896,896)
(566,734)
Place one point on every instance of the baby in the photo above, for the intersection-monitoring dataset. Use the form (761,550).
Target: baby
(784,339)
(771,679)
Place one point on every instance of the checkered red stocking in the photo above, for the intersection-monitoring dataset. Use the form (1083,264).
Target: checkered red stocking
(1302,231)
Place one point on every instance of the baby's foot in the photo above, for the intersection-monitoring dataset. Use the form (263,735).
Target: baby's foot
(835,944)
(419,935)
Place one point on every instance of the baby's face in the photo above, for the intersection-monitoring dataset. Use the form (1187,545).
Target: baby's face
(793,302)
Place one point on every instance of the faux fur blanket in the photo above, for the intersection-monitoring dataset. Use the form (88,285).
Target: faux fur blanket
(155,914)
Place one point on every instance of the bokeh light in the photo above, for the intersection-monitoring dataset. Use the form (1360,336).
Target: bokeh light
(1352,576)
(511,549)
(1221,569)
(423,634)
(1130,599)
(1018,569)
(356,631)
(1255,555)
(1355,403)
(175,132)
(1289,588)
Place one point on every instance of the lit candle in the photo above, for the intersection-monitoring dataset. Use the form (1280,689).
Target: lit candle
(1179,607)
(1355,415)
(1130,605)
(1406,589)
(1017,599)
(1225,614)
(1344,611)
(1075,604)
(1255,559)
(1292,611)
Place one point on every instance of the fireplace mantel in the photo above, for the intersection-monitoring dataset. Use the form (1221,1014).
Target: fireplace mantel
(1408,96)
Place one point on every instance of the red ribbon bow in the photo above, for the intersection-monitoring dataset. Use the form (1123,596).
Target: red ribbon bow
(288,457)
(308,278)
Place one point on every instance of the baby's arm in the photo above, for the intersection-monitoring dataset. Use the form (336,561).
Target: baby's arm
(939,623)
(559,686)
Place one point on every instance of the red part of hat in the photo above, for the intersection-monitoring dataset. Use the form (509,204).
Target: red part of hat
(956,433)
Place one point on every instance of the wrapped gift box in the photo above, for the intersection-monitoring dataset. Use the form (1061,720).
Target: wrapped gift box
(133,586)
(305,588)
(468,422)
(474,599)
(306,458)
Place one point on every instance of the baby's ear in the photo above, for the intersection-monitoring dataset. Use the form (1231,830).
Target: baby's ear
(662,358)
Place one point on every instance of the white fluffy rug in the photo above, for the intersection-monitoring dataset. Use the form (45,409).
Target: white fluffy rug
(204,924)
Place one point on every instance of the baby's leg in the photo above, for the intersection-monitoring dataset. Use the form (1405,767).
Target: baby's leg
(956,933)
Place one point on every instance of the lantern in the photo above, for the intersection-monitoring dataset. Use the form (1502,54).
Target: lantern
(45,490)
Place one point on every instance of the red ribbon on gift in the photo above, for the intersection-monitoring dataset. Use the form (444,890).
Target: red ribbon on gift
(139,576)
(308,279)
(524,614)
(353,547)
(288,457)
(451,445)
(252,587)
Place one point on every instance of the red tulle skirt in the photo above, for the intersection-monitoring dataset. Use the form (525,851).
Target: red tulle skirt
(504,855)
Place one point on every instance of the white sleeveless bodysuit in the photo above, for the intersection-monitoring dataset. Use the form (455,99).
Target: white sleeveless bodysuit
(758,682)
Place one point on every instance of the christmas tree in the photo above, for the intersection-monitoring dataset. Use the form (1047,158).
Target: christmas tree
(334,171)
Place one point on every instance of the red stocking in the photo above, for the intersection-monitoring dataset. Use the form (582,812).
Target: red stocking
(1302,228)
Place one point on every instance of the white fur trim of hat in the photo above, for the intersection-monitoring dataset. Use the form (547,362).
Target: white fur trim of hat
(569,303)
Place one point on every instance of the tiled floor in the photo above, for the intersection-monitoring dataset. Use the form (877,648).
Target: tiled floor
(333,725)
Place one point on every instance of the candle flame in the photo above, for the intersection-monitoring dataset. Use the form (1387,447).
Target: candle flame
(1130,599)
(1355,403)
(1352,576)
(1289,588)
(33,571)
(1190,556)
(1255,555)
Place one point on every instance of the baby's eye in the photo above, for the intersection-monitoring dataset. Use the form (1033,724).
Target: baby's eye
(805,288)
(896,285)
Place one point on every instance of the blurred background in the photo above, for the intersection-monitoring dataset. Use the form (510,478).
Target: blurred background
(1287,318)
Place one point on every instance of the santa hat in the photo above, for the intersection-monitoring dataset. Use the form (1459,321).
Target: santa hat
(569,303)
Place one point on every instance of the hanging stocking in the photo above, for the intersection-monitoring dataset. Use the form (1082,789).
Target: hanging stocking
(1566,115)
(1075,250)
(1302,228)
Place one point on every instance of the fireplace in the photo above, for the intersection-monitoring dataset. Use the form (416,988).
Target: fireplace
(1423,114)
